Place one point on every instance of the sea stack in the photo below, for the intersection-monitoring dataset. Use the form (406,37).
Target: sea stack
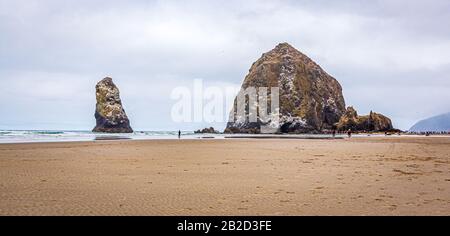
(372,122)
(109,112)
(310,100)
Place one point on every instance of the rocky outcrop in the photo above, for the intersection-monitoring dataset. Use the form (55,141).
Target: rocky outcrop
(209,130)
(372,122)
(109,113)
(310,99)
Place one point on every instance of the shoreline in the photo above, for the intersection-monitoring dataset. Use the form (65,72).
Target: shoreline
(117,137)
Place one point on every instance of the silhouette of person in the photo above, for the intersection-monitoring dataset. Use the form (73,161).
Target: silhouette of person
(179,134)
(349,133)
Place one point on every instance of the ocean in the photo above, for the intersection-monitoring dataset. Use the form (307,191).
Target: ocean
(25,136)
(30,136)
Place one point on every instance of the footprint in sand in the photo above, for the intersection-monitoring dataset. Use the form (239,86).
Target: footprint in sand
(413,166)
(406,172)
(427,201)
(392,207)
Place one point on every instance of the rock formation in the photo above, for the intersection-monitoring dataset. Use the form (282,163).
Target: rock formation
(310,99)
(372,122)
(209,130)
(109,113)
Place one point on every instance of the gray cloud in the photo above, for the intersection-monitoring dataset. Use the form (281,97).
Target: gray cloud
(390,56)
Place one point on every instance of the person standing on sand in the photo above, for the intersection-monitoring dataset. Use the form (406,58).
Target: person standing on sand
(179,134)
(349,133)
(334,133)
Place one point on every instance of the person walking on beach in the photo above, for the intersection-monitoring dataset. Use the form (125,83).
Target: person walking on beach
(349,133)
(179,134)
(334,133)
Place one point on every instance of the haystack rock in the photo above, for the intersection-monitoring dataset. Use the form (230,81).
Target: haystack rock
(310,99)
(109,113)
(372,122)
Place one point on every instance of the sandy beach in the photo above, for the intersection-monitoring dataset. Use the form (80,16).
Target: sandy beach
(359,176)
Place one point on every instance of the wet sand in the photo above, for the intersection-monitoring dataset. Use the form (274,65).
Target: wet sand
(360,176)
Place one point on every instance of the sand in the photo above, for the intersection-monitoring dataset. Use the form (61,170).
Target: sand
(358,176)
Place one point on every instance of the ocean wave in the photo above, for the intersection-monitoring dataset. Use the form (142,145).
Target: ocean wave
(48,132)
(18,136)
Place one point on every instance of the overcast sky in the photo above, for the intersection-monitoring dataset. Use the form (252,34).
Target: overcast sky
(392,57)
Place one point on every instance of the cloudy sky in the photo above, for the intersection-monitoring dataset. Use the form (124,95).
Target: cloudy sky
(390,56)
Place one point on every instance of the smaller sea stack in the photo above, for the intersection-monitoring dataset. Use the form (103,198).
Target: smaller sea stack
(372,122)
(109,112)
